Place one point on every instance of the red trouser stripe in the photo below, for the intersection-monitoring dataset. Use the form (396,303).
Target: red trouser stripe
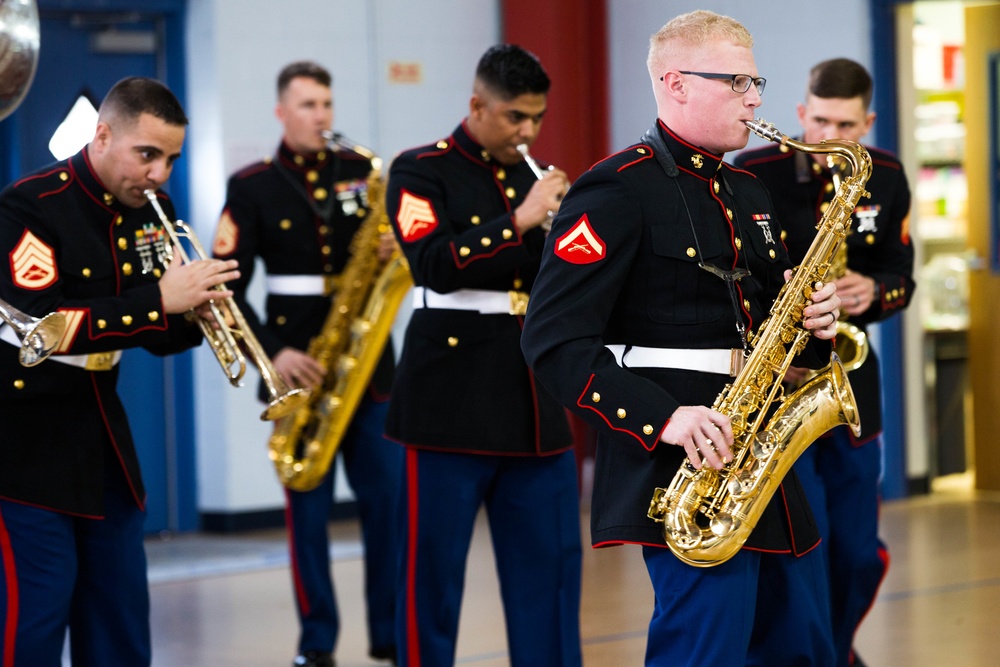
(412,634)
(10,574)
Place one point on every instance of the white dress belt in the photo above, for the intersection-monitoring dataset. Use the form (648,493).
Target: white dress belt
(97,361)
(297,285)
(724,362)
(486,302)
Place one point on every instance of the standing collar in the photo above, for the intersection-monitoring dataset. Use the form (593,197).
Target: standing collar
(301,161)
(83,172)
(689,158)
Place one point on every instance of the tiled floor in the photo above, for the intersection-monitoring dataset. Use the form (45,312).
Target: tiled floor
(226,601)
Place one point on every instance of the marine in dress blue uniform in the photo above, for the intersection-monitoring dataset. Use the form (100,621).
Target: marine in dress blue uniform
(841,472)
(298,212)
(72,501)
(478,429)
(628,329)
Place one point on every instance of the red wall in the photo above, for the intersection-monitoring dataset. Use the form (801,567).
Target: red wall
(570,38)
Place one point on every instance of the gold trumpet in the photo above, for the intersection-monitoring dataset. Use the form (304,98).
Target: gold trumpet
(224,338)
(39,336)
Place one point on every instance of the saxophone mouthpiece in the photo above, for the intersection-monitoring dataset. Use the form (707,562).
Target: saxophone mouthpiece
(766,130)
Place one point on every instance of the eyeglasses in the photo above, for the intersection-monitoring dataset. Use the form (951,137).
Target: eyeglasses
(741,82)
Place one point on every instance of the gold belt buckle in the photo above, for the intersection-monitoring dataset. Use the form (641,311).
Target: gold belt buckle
(100,361)
(736,362)
(518,302)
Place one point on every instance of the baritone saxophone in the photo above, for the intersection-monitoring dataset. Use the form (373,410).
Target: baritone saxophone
(708,514)
(349,345)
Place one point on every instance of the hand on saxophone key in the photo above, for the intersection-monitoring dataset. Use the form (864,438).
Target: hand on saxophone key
(543,200)
(185,286)
(820,316)
(705,434)
(297,368)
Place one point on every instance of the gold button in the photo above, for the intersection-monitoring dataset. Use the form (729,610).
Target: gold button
(108,198)
(816,168)
(822,207)
(486,242)
(153,316)
(361,212)
(746,304)
(299,160)
(475,220)
(101,324)
(18,384)
(510,192)
(870,239)
(501,174)
(739,244)
(321,156)
(507,233)
(772,253)
(595,397)
(312,175)
(326,250)
(485,154)
(442,144)
(691,252)
(518,283)
(157,272)
(127,320)
(285,224)
(127,268)
(621,413)
(783,148)
(63,176)
(828,187)
(715,186)
(729,213)
(122,243)
(464,251)
(648,429)
(640,151)
(281,320)
(118,220)
(324,230)
(320,194)
(784,233)
(452,341)
(86,272)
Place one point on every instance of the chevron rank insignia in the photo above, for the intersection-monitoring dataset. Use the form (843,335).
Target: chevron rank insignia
(416,217)
(32,263)
(581,245)
(227,234)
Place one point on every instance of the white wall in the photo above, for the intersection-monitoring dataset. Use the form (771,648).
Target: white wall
(235,51)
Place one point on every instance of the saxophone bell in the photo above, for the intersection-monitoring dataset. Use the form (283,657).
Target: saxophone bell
(228,329)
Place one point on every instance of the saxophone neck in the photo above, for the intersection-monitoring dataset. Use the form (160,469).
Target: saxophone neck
(856,154)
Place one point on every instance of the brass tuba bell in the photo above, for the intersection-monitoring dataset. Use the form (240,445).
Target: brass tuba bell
(19,38)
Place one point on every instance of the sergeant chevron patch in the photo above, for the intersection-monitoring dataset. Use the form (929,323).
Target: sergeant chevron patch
(32,263)
(227,235)
(580,245)
(416,217)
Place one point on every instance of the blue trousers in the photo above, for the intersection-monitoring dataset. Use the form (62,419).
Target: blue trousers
(374,467)
(760,609)
(841,482)
(59,571)
(533,510)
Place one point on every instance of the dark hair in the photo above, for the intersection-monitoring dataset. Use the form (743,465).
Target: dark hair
(510,71)
(303,68)
(136,95)
(841,78)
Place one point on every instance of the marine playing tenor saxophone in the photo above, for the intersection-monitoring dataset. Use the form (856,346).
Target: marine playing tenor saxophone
(708,514)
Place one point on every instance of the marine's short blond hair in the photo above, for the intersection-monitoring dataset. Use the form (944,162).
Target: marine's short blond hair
(694,29)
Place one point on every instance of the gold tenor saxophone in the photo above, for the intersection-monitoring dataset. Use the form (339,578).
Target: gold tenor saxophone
(708,514)
(348,346)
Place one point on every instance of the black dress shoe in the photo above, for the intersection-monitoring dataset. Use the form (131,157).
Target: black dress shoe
(384,653)
(314,659)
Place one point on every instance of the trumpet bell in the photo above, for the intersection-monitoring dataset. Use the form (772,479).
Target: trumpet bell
(286,404)
(41,340)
